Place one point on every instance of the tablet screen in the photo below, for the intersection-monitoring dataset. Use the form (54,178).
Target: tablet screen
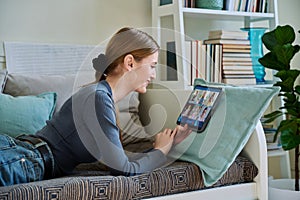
(199,107)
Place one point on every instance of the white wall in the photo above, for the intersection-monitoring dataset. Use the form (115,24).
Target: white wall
(288,13)
(88,21)
(69,21)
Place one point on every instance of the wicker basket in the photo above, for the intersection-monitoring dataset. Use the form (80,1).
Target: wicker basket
(210,4)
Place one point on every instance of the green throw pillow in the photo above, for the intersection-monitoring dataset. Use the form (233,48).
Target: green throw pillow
(25,114)
(229,129)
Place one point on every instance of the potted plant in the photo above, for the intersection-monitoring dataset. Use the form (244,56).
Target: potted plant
(279,42)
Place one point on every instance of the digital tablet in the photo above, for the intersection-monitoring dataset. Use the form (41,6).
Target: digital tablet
(200,107)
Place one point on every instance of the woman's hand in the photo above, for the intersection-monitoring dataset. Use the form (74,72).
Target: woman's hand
(181,133)
(164,140)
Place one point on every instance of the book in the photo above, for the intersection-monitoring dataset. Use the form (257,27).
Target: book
(236,59)
(243,5)
(189,3)
(208,61)
(188,61)
(235,50)
(196,56)
(224,34)
(218,63)
(171,62)
(237,63)
(237,67)
(238,72)
(203,67)
(229,5)
(274,146)
(239,76)
(226,41)
(236,46)
(195,60)
(239,81)
(236,54)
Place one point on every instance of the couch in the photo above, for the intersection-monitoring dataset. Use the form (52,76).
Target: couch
(140,117)
(44,84)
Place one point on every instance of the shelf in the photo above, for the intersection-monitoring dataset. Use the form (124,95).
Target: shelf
(284,161)
(184,22)
(226,15)
(166,10)
(277,152)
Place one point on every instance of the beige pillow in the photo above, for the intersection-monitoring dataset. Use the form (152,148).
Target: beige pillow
(129,121)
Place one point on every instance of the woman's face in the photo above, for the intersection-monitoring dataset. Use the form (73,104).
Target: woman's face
(145,71)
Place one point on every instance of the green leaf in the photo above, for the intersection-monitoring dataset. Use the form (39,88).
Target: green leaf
(290,97)
(279,42)
(288,78)
(285,86)
(279,36)
(269,40)
(288,74)
(272,116)
(296,49)
(289,137)
(292,111)
(297,105)
(297,89)
(284,34)
(284,54)
(289,140)
(270,61)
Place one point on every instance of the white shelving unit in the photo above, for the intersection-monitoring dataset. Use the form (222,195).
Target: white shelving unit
(181,15)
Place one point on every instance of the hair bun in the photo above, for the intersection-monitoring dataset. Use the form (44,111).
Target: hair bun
(100,63)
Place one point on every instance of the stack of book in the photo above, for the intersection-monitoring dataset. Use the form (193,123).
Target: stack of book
(270,132)
(236,64)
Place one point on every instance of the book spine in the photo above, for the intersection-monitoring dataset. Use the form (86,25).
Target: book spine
(171,62)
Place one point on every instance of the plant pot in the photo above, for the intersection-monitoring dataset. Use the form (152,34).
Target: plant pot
(282,189)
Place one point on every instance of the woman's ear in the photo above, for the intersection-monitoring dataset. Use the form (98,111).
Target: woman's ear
(128,61)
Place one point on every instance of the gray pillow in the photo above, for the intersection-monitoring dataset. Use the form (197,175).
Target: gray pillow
(22,85)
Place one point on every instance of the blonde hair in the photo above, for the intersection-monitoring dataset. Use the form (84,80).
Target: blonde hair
(126,41)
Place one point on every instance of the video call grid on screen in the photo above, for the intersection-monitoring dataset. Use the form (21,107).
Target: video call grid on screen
(198,109)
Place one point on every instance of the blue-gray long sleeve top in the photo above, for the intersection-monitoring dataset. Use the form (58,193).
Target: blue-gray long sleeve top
(85,130)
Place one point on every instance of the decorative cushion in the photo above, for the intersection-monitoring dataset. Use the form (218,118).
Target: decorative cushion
(229,129)
(25,114)
(23,85)
(3,76)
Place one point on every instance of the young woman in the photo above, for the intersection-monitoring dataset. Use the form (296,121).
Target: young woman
(85,129)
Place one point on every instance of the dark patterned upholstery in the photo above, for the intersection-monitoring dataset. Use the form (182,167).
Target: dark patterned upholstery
(93,184)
